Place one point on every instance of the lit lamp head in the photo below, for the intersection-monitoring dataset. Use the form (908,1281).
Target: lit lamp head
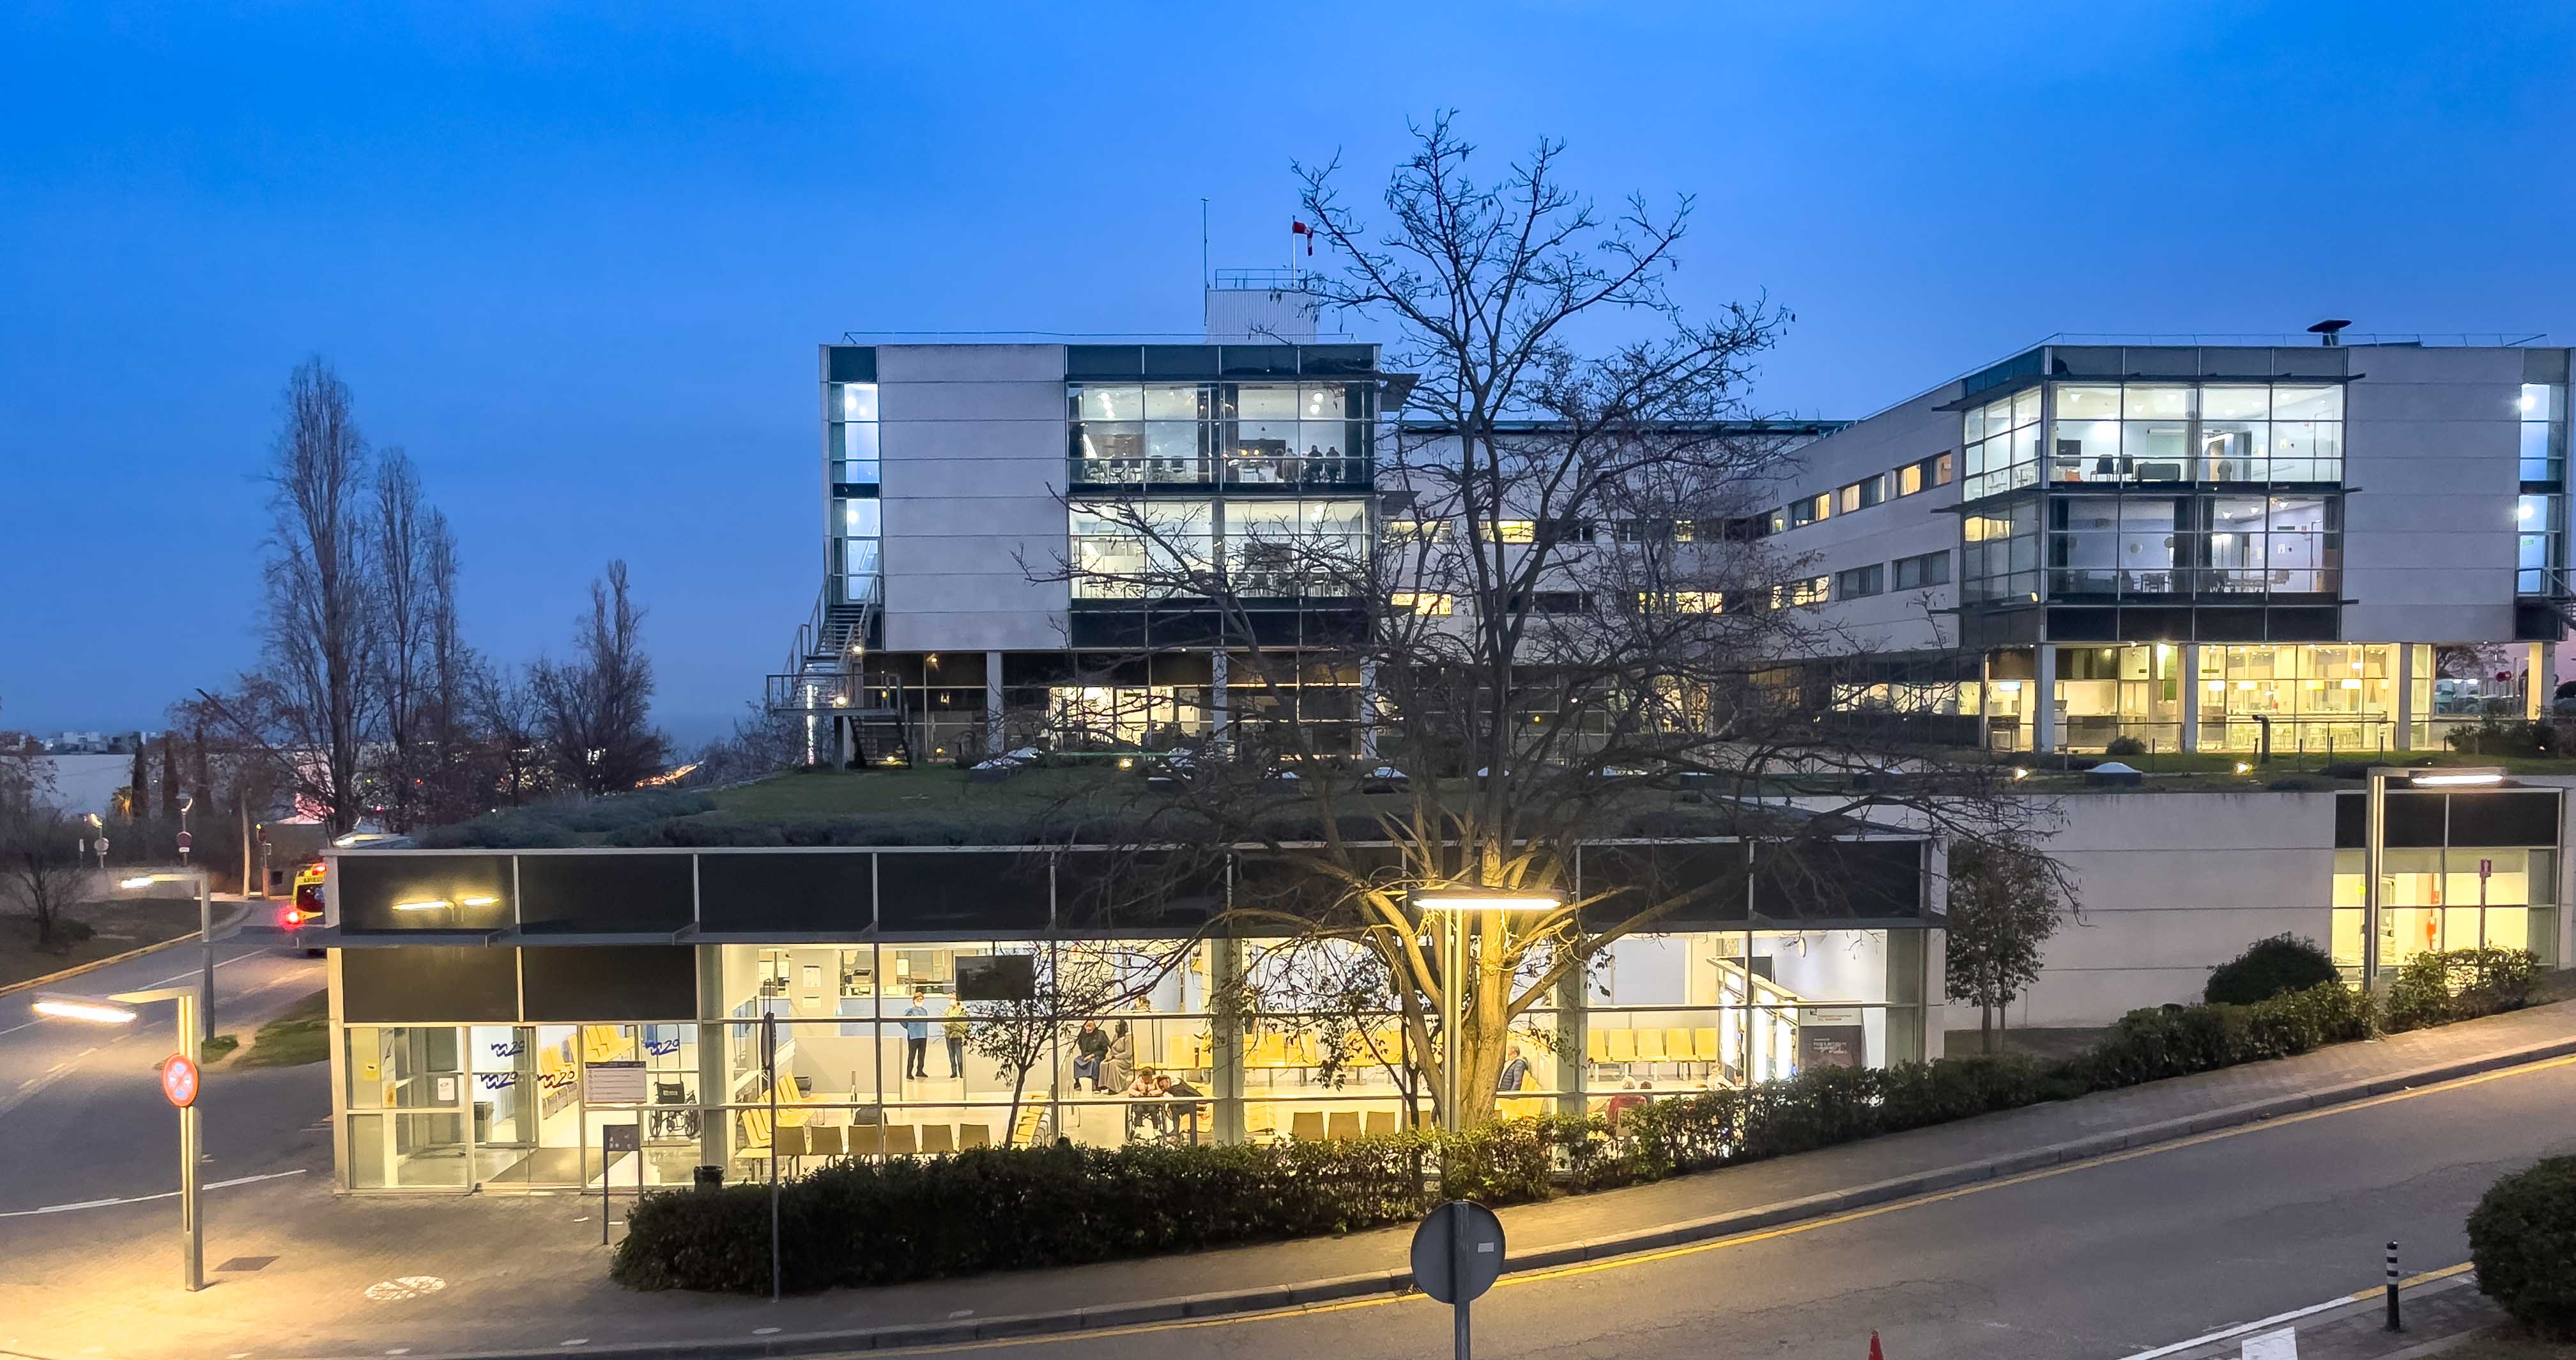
(1485,899)
(88,1009)
(2443,776)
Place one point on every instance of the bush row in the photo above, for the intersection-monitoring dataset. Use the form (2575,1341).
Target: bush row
(858,1223)
(559,823)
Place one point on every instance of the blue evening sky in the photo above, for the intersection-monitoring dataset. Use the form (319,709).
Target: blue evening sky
(575,257)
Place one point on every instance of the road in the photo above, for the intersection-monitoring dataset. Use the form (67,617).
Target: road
(2103,1259)
(81,1112)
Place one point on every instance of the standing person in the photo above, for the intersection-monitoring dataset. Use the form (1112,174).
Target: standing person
(1515,1071)
(916,1038)
(1089,1047)
(1119,1062)
(953,1029)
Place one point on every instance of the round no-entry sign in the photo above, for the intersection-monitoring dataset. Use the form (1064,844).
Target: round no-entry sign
(179,1080)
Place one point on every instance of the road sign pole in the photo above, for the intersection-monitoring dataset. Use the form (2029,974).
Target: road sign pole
(192,1223)
(206,976)
(1459,1269)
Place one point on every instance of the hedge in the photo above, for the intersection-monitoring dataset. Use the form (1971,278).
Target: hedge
(2522,1237)
(860,1223)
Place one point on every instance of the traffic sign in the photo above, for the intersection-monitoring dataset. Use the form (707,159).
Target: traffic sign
(1453,1270)
(179,1080)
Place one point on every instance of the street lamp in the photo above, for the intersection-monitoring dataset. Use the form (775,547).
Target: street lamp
(205,1009)
(181,1088)
(2374,840)
(1453,906)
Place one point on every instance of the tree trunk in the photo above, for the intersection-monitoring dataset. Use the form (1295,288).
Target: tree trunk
(1986,1027)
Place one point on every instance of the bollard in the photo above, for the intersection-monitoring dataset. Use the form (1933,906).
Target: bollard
(2392,1289)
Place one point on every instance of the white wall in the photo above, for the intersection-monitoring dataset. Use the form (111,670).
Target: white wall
(973,447)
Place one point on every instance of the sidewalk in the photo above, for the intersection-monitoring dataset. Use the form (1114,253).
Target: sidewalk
(300,1273)
(2439,1316)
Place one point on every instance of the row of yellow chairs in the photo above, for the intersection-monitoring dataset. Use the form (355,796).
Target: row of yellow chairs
(870,1140)
(1193,1052)
(1621,1047)
(756,1132)
(1338,1126)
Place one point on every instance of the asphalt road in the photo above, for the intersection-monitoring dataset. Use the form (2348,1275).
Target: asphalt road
(81,1111)
(2103,1260)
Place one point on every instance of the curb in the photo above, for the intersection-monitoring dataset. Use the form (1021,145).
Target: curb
(1271,1298)
(76,970)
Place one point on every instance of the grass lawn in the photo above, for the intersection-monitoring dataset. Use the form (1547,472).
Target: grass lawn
(219,1048)
(302,1034)
(118,927)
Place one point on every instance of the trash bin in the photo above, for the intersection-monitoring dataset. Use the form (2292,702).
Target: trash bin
(708,1178)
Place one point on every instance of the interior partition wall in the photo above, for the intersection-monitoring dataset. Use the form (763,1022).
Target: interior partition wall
(602,1013)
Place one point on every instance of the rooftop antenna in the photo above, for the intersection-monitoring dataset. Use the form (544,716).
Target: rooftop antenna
(2331,330)
(1203,258)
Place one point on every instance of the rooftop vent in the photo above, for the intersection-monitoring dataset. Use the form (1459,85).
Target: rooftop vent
(2331,331)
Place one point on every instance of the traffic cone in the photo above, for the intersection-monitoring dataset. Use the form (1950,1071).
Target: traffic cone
(1874,1352)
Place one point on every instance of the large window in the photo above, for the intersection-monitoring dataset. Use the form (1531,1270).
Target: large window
(1285,548)
(2144,545)
(2540,526)
(2434,898)
(1140,549)
(2544,433)
(862,536)
(2001,444)
(2305,697)
(1245,434)
(1858,582)
(2259,433)
(850,411)
(2001,558)
(1914,573)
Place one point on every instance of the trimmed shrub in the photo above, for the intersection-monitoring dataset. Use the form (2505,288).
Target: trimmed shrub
(2440,986)
(2125,746)
(857,1223)
(2522,1236)
(2267,968)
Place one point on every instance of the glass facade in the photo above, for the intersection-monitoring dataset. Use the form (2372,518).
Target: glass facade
(1283,434)
(1999,443)
(2448,898)
(2196,432)
(2130,545)
(851,426)
(894,1041)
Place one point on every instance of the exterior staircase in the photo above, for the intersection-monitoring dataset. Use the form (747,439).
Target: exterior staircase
(850,715)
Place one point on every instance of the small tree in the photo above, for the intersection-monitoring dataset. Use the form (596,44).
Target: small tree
(1072,983)
(40,869)
(138,796)
(2005,902)
(597,708)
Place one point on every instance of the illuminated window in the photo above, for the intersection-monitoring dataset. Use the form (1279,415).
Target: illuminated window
(1813,590)
(1438,604)
(1510,530)
(1417,531)
(1681,602)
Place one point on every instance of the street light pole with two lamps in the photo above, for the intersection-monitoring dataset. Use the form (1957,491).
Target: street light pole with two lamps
(179,1082)
(2374,841)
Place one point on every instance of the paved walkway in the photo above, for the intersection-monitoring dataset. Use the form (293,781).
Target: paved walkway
(301,1273)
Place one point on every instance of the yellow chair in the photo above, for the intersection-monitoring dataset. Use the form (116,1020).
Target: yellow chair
(787,1142)
(898,1140)
(866,1140)
(974,1135)
(1306,1126)
(1677,1048)
(824,1140)
(755,1134)
(937,1138)
(1704,1047)
(1650,1048)
(1620,1048)
(1342,1126)
(1596,1046)
(1381,1122)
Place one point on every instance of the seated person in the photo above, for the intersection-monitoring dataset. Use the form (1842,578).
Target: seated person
(1626,1100)
(1142,1090)
(1089,1047)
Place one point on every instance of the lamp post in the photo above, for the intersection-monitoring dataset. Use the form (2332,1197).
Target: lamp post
(1456,908)
(205,1008)
(180,1087)
(2374,840)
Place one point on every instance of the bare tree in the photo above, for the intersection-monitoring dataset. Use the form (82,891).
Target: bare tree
(598,706)
(309,709)
(512,721)
(1539,688)
(398,534)
(40,869)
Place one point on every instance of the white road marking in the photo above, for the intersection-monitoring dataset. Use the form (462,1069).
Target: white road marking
(140,1199)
